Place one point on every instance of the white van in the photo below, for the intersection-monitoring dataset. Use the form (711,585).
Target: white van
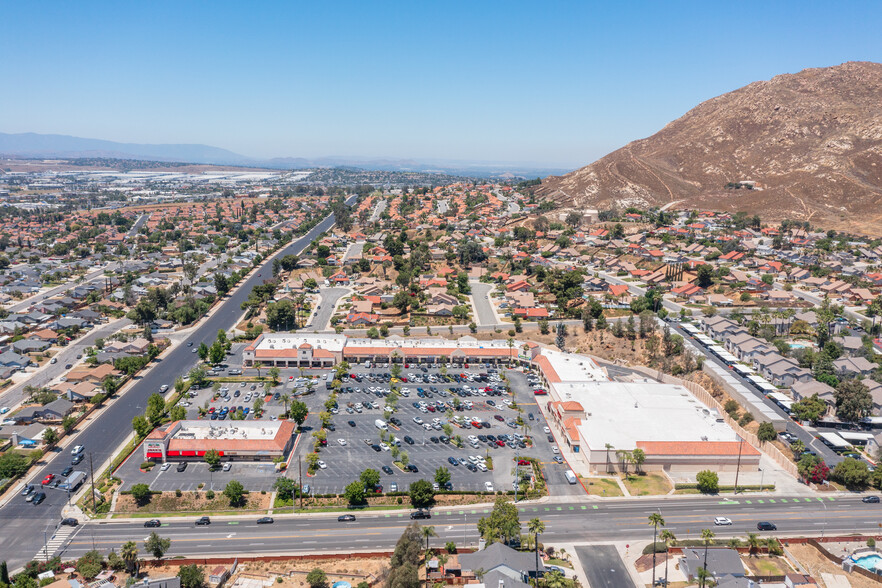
(381,424)
(570,476)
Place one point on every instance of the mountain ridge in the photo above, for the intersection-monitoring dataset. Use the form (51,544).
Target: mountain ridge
(809,144)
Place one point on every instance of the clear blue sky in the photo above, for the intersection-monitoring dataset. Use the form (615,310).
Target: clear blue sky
(552,83)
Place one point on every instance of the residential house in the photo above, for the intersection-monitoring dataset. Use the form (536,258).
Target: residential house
(518,566)
(721,563)
(52,412)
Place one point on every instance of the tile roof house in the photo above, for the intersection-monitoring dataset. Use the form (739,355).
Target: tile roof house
(720,563)
(496,557)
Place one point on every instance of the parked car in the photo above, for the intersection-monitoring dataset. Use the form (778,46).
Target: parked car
(182,466)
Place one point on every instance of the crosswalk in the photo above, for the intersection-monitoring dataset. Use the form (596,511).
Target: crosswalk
(54,543)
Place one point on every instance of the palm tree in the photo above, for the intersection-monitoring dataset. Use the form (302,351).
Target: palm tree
(656,520)
(428,531)
(669,539)
(707,536)
(536,527)
(129,554)
(258,366)
(554,579)
(285,398)
(753,542)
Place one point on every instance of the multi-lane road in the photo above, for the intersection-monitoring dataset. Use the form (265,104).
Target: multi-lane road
(23,524)
(572,521)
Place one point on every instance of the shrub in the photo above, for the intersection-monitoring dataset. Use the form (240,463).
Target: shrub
(178,493)
(147,465)
(766,432)
(210,495)
(745,419)
(708,482)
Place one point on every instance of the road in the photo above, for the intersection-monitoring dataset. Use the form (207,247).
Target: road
(603,567)
(570,521)
(443,207)
(483,306)
(378,211)
(322,316)
(818,300)
(67,355)
(138,224)
(22,523)
(829,456)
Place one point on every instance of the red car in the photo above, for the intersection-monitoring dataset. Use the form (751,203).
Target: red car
(498,417)
(500,443)
(430,408)
(407,365)
(539,392)
(48,479)
(211,410)
(404,380)
(523,462)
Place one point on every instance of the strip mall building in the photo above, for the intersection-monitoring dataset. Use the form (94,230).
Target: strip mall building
(599,419)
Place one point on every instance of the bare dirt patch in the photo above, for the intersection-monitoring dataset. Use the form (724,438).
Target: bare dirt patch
(191,502)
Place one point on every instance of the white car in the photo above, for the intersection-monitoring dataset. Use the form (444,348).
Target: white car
(322,465)
(547,430)
(473,438)
(342,442)
(488,486)
(722,521)
(164,467)
(384,447)
(418,420)
(555,450)
(427,426)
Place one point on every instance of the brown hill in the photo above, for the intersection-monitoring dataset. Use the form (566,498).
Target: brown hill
(811,141)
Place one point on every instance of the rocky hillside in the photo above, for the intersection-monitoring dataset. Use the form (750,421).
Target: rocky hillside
(805,146)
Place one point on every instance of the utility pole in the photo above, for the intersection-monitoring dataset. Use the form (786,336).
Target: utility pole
(300,473)
(738,466)
(92,474)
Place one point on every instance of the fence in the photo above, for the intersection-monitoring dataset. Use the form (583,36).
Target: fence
(708,400)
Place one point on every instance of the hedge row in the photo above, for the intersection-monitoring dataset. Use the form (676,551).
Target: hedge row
(770,486)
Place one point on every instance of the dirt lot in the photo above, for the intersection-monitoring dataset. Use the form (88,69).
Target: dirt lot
(809,557)
(190,502)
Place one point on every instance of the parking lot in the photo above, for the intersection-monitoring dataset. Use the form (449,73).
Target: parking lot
(425,448)
(351,449)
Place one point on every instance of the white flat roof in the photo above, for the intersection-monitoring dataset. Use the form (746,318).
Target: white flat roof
(294,340)
(572,367)
(231,430)
(623,413)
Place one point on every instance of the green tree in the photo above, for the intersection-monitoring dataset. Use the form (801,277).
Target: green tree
(707,537)
(536,527)
(216,353)
(502,525)
(355,493)
(212,458)
(155,409)
(317,578)
(705,275)
(235,492)
(370,478)
(192,576)
(274,373)
(298,412)
(68,423)
(141,493)
(708,482)
(638,457)
(177,413)
(422,495)
(129,554)
(285,488)
(50,436)
(656,520)
(766,432)
(156,545)
(90,564)
(141,426)
(442,476)
(809,409)
(202,351)
(853,473)
(13,465)
(853,401)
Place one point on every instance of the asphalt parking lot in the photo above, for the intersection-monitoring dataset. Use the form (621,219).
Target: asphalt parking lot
(254,476)
(345,462)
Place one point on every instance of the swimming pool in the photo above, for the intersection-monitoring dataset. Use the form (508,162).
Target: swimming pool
(797,346)
(869,562)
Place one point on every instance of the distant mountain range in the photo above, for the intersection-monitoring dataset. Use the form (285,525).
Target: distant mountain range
(33,145)
(804,146)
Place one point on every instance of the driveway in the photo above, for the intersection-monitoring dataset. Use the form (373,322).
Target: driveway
(322,317)
(603,567)
(483,307)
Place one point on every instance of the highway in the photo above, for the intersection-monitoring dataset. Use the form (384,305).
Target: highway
(571,521)
(22,523)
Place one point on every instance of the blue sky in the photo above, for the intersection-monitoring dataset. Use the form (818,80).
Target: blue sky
(549,83)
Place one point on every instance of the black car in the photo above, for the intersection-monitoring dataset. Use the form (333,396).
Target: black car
(387,470)
(38,498)
(766,526)
(70,522)
(408,440)
(203,521)
(182,466)
(152,523)
(77,458)
(351,423)
(265,521)
(395,421)
(412,468)
(331,427)
(551,439)
(421,514)
(873,499)
(67,471)
(346,518)
(434,439)
(376,448)
(452,461)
